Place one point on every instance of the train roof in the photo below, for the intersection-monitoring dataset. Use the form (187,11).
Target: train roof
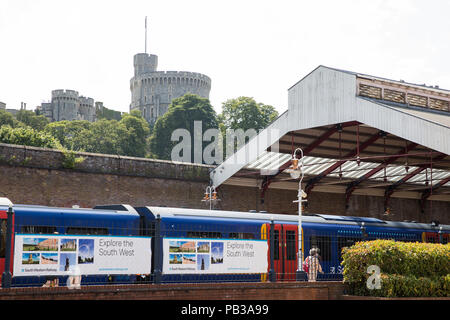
(316,218)
(122,214)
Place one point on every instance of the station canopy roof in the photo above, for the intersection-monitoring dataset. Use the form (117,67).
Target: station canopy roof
(359,134)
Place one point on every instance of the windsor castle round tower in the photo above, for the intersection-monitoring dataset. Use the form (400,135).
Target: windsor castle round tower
(152,91)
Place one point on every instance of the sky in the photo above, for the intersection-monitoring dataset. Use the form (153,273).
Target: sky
(248,48)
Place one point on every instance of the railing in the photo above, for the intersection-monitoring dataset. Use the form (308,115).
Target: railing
(164,252)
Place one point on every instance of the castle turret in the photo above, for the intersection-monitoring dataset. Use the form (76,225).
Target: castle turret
(145,63)
(68,105)
(152,91)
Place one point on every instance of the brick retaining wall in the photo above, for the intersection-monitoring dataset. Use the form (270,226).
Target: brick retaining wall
(207,291)
(36,176)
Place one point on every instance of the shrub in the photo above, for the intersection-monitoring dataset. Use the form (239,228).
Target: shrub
(26,136)
(70,160)
(407,269)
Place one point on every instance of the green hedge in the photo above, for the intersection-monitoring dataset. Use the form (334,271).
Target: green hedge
(407,269)
(26,136)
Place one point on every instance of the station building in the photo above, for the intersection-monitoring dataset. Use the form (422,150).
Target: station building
(353,135)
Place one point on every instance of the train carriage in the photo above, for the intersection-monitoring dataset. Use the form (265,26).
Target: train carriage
(41,222)
(194,245)
(329,233)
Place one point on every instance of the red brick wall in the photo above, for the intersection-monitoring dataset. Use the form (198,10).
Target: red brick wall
(36,176)
(215,291)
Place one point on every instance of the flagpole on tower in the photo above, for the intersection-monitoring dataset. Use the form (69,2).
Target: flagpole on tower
(146,34)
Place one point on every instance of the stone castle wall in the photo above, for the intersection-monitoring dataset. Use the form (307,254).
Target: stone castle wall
(69,105)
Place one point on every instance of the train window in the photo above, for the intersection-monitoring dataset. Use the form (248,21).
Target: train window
(345,242)
(276,248)
(89,231)
(291,253)
(241,235)
(323,244)
(147,229)
(2,238)
(38,229)
(204,234)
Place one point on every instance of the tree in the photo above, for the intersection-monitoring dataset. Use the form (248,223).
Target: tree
(70,133)
(245,113)
(27,136)
(134,143)
(125,137)
(104,136)
(243,117)
(31,119)
(181,114)
(7,118)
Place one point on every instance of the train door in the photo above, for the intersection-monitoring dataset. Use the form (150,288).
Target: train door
(285,251)
(2,241)
(434,237)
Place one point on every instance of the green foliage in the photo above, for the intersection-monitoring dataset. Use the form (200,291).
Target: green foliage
(26,136)
(108,114)
(407,269)
(181,114)
(71,134)
(134,143)
(7,118)
(394,285)
(31,119)
(70,160)
(130,134)
(245,113)
(125,137)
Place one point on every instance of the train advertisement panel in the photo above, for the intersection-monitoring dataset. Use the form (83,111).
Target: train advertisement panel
(37,255)
(208,256)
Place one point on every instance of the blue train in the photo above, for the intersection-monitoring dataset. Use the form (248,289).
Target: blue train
(190,245)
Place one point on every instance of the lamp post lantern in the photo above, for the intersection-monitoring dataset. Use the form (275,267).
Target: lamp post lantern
(210,196)
(296,173)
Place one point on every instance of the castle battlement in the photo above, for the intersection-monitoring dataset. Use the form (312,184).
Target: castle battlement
(86,101)
(65,94)
(173,75)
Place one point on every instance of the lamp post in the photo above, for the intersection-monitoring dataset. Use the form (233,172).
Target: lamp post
(210,196)
(297,172)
